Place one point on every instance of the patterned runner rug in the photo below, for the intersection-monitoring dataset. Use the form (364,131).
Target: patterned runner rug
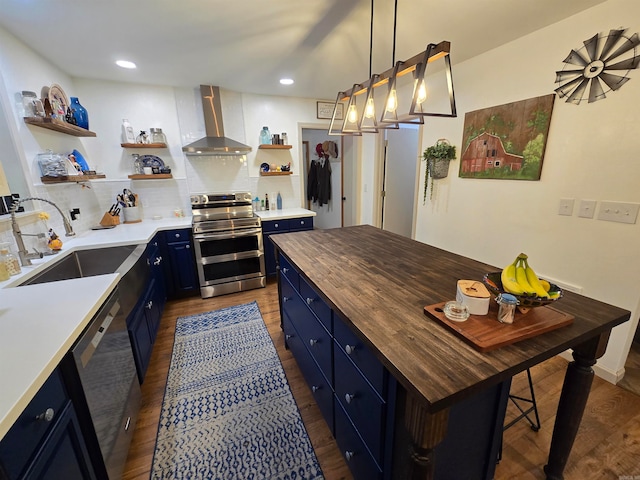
(228,412)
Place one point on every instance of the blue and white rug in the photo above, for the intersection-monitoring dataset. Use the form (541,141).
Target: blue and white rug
(228,412)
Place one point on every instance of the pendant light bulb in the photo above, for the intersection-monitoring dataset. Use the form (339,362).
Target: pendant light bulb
(352,115)
(422,92)
(370,109)
(392,101)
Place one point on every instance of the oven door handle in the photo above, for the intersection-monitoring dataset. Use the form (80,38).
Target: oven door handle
(203,237)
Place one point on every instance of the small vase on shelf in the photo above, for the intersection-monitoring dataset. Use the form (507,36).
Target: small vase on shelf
(79,113)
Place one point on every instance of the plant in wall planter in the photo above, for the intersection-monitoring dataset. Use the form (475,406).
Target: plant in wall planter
(437,157)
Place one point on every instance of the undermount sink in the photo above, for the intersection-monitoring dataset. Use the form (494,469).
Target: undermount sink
(88,263)
(127,260)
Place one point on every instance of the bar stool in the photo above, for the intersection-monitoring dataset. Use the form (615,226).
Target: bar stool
(524,413)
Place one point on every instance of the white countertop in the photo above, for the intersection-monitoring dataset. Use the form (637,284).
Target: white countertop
(285,213)
(40,323)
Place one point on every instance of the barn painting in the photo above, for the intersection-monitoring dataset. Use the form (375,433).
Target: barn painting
(506,141)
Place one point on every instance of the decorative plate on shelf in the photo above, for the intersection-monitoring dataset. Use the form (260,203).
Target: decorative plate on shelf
(151,161)
(58,99)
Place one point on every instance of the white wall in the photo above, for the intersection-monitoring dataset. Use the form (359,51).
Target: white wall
(590,154)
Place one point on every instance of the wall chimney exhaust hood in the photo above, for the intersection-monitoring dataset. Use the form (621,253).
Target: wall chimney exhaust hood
(215,143)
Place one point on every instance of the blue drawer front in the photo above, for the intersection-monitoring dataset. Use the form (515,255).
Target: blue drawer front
(320,388)
(313,300)
(316,339)
(270,226)
(289,272)
(28,432)
(298,224)
(360,354)
(362,404)
(358,458)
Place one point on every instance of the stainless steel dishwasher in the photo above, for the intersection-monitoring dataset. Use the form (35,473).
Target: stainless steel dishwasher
(106,370)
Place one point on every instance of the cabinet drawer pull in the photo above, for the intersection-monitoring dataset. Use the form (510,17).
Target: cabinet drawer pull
(158,261)
(349,349)
(285,299)
(47,415)
(276,225)
(312,341)
(309,301)
(285,270)
(348,455)
(177,235)
(149,305)
(348,397)
(288,337)
(314,389)
(187,247)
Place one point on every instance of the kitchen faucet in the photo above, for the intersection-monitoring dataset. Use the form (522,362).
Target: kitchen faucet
(23,253)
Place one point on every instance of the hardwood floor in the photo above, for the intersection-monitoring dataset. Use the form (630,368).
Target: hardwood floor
(607,447)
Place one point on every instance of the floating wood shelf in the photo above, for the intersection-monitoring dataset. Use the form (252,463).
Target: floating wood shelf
(274,174)
(143,145)
(153,176)
(58,126)
(72,178)
(275,147)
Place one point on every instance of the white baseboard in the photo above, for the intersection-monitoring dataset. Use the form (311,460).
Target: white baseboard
(604,373)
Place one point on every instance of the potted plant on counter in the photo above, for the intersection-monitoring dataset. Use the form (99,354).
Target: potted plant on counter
(437,157)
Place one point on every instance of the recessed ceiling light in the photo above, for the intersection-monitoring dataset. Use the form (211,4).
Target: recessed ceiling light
(286,81)
(125,64)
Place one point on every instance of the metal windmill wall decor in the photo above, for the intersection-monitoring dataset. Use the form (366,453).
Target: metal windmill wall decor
(604,63)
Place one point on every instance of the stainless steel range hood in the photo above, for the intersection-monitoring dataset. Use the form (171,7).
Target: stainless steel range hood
(215,143)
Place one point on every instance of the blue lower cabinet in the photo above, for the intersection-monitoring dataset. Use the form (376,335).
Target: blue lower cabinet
(46,442)
(353,449)
(280,226)
(320,388)
(179,263)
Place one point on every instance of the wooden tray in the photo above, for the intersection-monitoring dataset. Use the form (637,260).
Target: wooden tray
(485,332)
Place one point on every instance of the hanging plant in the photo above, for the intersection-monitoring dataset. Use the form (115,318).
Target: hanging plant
(437,157)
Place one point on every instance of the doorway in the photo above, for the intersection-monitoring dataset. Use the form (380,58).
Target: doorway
(400,167)
(330,214)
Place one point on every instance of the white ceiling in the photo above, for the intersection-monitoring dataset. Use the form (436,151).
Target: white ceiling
(248,45)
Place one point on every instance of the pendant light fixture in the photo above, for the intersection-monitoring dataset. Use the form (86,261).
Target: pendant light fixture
(407,95)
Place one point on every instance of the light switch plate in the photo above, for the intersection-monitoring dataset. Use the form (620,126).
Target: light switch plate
(587,208)
(618,212)
(566,206)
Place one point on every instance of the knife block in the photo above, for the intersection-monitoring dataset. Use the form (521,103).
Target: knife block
(108,220)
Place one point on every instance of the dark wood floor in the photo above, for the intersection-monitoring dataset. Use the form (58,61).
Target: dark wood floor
(608,444)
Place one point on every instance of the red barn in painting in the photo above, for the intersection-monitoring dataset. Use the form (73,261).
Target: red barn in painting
(486,152)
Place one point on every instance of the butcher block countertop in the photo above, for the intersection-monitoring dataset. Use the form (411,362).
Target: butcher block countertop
(380,283)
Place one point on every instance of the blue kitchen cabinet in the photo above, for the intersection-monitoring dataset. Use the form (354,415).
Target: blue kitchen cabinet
(354,392)
(46,441)
(270,227)
(180,272)
(144,320)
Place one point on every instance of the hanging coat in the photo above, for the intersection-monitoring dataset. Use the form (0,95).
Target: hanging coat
(324,182)
(312,182)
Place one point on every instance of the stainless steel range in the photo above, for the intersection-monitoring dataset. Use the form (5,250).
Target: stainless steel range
(227,236)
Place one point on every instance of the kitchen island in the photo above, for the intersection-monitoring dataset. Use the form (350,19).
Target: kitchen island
(377,284)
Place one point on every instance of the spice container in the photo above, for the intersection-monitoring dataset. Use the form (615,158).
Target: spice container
(9,260)
(507,307)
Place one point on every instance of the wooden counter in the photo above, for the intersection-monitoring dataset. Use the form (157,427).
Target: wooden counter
(380,283)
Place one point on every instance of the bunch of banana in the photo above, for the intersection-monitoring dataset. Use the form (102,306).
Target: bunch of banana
(520,279)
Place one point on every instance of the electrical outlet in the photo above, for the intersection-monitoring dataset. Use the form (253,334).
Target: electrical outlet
(618,212)
(566,206)
(587,208)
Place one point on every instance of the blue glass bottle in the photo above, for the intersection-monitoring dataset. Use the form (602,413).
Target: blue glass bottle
(279,202)
(79,113)
(265,136)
